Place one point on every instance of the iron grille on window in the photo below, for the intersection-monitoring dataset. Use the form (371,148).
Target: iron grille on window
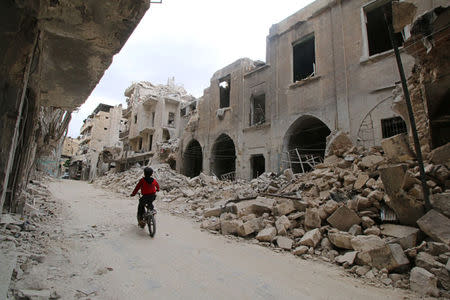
(393,126)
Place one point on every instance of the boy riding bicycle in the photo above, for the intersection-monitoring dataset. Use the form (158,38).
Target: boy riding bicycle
(148,186)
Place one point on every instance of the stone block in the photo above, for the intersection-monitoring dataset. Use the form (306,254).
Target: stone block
(330,206)
(428,262)
(298,232)
(341,239)
(366,242)
(267,234)
(348,257)
(343,218)
(300,250)
(282,224)
(372,231)
(284,242)
(392,177)
(312,218)
(441,155)
(371,161)
(289,174)
(388,257)
(300,205)
(245,229)
(230,226)
(338,143)
(406,236)
(283,208)
(436,226)
(311,238)
(212,212)
(257,206)
(397,148)
(441,202)
(355,230)
(361,181)
(423,282)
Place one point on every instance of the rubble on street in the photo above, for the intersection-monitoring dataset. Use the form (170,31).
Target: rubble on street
(24,240)
(360,209)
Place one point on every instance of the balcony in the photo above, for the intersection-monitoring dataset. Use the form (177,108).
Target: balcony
(86,126)
(149,101)
(126,113)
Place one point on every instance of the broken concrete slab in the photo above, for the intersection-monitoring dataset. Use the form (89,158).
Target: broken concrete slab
(300,250)
(284,242)
(406,236)
(8,258)
(397,148)
(366,242)
(282,224)
(441,202)
(392,177)
(436,226)
(371,161)
(338,143)
(311,238)
(343,218)
(423,282)
(312,218)
(230,226)
(267,234)
(348,257)
(341,239)
(283,208)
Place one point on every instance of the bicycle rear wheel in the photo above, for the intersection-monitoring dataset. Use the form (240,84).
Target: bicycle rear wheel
(151,225)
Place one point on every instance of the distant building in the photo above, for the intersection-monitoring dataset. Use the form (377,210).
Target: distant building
(99,131)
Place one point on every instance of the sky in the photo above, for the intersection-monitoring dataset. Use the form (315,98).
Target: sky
(188,40)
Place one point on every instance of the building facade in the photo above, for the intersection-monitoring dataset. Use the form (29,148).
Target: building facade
(329,67)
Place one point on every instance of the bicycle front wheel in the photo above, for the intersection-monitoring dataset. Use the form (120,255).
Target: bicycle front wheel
(151,225)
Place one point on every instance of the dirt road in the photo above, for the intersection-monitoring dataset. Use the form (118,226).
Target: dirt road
(104,255)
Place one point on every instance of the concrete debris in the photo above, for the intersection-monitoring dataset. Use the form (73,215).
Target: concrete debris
(441,202)
(423,282)
(338,211)
(397,148)
(436,226)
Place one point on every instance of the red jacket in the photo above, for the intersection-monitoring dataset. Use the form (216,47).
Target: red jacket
(146,189)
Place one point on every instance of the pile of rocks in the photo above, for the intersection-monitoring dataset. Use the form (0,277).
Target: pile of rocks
(24,239)
(362,209)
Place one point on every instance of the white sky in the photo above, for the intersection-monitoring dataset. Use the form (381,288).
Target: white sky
(188,40)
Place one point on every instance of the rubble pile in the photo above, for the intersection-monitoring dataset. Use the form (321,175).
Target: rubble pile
(362,209)
(24,238)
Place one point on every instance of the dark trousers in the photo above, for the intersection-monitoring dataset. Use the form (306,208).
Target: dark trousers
(145,200)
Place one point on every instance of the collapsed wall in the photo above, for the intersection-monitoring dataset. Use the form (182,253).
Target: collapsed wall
(53,54)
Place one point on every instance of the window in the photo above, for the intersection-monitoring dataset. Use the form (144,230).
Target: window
(225,87)
(105,128)
(258,110)
(392,126)
(153,119)
(183,111)
(135,119)
(171,120)
(304,58)
(140,144)
(106,118)
(258,165)
(377,29)
(150,142)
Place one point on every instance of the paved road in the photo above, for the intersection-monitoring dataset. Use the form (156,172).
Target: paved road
(181,262)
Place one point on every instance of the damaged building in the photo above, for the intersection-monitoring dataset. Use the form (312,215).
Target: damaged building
(53,55)
(329,67)
(99,139)
(153,123)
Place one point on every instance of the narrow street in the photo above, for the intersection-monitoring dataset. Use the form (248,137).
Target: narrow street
(104,255)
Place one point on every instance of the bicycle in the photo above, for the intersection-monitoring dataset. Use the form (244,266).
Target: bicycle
(149,217)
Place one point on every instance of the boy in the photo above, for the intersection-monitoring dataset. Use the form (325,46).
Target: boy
(149,186)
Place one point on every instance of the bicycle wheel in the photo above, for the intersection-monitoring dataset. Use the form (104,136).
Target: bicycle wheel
(151,225)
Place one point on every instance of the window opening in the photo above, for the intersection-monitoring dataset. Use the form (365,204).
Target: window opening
(193,159)
(135,119)
(153,119)
(105,128)
(392,126)
(258,164)
(183,111)
(225,87)
(223,158)
(140,144)
(171,119)
(377,30)
(304,59)
(150,142)
(166,135)
(258,110)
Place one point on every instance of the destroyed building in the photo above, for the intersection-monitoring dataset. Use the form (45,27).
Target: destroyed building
(98,134)
(53,55)
(153,122)
(329,67)
(70,148)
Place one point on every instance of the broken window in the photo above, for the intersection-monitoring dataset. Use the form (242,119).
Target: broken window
(392,126)
(153,119)
(171,119)
(183,111)
(258,110)
(304,59)
(225,86)
(140,144)
(193,106)
(377,29)
(166,135)
(150,143)
(258,164)
(135,119)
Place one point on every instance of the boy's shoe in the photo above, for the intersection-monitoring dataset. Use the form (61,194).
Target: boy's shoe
(141,223)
